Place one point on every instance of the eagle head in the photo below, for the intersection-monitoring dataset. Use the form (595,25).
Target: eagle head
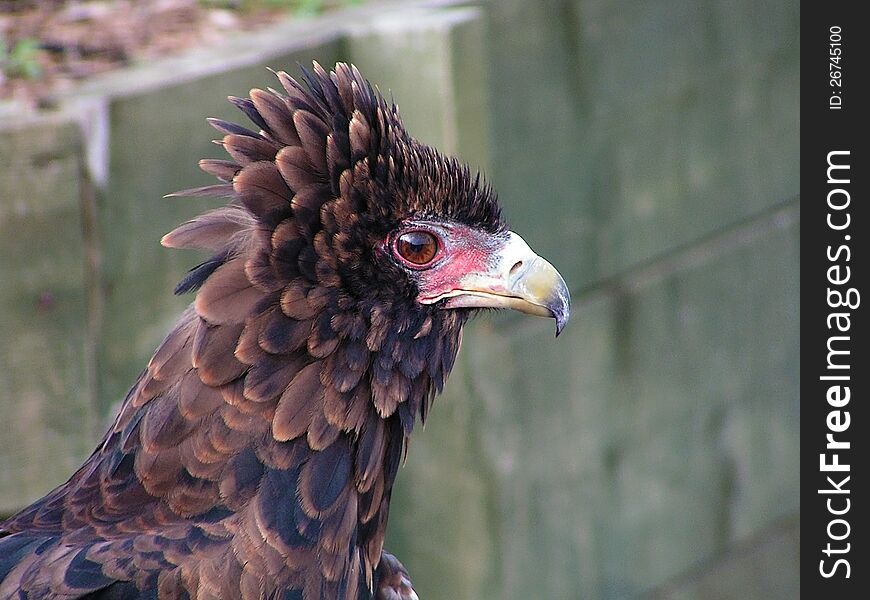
(354,243)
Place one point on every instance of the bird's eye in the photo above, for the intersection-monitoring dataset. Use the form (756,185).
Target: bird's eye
(417,247)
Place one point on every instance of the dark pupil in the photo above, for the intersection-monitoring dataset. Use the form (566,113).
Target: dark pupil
(417,247)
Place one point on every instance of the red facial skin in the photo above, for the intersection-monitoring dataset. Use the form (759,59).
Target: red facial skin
(477,269)
(461,250)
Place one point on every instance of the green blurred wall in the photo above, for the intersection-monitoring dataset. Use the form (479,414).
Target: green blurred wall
(648,149)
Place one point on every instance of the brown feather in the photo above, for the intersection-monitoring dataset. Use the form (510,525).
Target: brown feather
(220,190)
(323,340)
(336,159)
(283,335)
(295,168)
(198,451)
(227,296)
(338,527)
(246,150)
(335,407)
(278,117)
(359,406)
(251,585)
(248,349)
(159,470)
(308,200)
(283,455)
(164,426)
(312,132)
(224,170)
(225,440)
(387,396)
(297,96)
(245,423)
(298,403)
(227,127)
(333,567)
(271,376)
(196,399)
(325,479)
(370,452)
(173,355)
(213,347)
(370,501)
(294,302)
(262,273)
(262,190)
(321,433)
(192,496)
(375,545)
(360,136)
(343,374)
(211,230)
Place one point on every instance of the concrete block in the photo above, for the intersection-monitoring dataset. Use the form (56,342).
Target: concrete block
(47,401)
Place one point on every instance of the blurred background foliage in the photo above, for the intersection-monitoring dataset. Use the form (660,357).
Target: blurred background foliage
(48,45)
(20,59)
(299,7)
(648,149)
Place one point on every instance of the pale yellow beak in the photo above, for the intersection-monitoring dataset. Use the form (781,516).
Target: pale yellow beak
(517,279)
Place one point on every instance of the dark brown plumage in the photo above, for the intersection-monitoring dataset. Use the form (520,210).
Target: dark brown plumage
(255,455)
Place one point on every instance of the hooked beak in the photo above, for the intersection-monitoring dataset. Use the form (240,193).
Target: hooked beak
(515,278)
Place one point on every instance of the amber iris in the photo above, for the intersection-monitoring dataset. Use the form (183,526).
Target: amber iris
(417,247)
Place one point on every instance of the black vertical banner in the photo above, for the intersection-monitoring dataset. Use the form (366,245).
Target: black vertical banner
(835,437)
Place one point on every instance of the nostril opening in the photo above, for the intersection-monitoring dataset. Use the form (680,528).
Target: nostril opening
(516,267)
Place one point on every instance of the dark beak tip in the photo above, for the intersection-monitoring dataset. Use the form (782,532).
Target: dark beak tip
(561,321)
(561,312)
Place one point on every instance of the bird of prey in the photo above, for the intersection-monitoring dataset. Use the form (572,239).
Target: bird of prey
(255,455)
